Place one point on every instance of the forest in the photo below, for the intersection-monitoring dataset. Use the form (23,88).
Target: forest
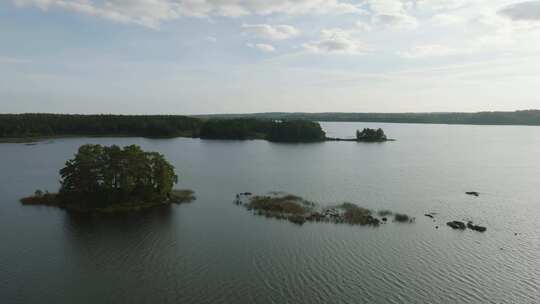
(43,125)
(525,117)
(156,126)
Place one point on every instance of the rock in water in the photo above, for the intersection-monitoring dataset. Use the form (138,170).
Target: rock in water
(456,225)
(471,226)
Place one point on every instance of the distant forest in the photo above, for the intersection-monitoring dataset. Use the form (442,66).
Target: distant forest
(270,126)
(526,117)
(39,125)
(28,126)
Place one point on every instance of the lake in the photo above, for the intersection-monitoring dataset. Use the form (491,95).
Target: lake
(212,251)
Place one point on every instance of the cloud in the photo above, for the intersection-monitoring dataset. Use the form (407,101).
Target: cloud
(386,6)
(271,32)
(396,21)
(439,4)
(487,43)
(447,19)
(391,14)
(337,41)
(430,50)
(262,47)
(151,13)
(523,11)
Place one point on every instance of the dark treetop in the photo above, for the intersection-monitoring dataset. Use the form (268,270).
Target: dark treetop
(40,125)
(100,176)
(371,135)
(277,131)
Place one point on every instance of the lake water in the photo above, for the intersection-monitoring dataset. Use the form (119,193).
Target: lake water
(212,251)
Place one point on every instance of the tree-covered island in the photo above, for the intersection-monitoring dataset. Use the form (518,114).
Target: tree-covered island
(35,127)
(275,131)
(114,179)
(372,135)
(366,135)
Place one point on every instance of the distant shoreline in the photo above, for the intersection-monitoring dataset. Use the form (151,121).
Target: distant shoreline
(277,127)
(496,118)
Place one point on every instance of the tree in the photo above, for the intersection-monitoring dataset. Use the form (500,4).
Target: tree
(371,135)
(296,131)
(99,176)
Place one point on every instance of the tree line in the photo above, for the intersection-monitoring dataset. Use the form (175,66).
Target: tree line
(524,117)
(276,131)
(41,125)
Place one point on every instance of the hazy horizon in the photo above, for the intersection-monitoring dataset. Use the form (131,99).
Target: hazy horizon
(253,113)
(229,56)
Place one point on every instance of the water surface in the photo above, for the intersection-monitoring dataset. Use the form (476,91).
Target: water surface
(212,251)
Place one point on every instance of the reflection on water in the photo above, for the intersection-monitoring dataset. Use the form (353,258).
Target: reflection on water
(211,251)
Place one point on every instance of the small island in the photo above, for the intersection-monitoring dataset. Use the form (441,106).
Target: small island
(112,179)
(283,206)
(274,131)
(366,135)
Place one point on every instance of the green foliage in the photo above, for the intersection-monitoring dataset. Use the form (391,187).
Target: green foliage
(234,129)
(526,117)
(296,131)
(36,125)
(99,176)
(371,135)
(287,131)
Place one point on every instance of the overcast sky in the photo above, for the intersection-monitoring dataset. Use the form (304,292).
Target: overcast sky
(235,56)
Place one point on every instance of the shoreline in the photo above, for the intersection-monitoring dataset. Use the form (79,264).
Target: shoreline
(39,139)
(51,200)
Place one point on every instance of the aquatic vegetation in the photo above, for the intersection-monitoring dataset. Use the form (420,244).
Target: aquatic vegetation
(402,218)
(298,210)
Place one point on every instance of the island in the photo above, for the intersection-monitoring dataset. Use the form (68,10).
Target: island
(366,135)
(284,206)
(31,128)
(110,179)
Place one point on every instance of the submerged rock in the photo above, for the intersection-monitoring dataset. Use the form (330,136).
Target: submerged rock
(456,225)
(478,228)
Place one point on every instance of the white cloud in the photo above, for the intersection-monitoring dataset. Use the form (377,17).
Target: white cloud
(395,21)
(523,11)
(151,13)
(388,7)
(262,47)
(271,32)
(363,27)
(447,19)
(337,41)
(440,4)
(430,50)
(392,14)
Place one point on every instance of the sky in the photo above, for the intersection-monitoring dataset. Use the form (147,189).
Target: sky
(244,56)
